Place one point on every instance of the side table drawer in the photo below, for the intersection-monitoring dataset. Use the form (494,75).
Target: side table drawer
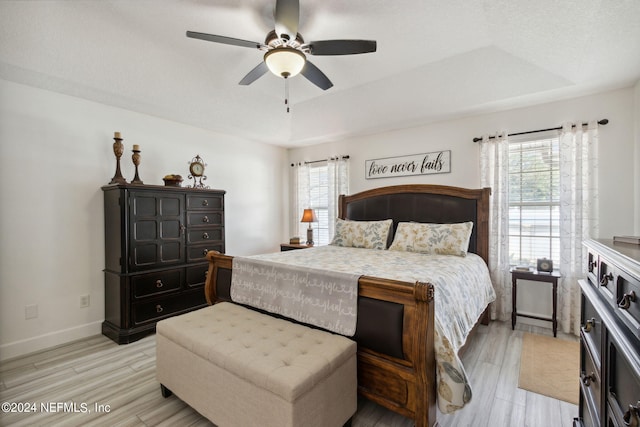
(145,285)
(165,307)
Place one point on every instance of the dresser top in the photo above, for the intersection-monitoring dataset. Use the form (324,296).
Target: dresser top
(628,253)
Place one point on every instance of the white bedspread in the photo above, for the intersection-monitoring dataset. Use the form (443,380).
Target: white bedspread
(462,291)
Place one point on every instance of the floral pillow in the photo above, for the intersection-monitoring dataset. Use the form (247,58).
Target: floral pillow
(442,239)
(362,234)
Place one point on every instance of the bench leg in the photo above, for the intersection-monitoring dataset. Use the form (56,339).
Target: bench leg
(165,391)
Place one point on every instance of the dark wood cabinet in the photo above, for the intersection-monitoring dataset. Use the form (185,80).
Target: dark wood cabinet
(156,240)
(610,336)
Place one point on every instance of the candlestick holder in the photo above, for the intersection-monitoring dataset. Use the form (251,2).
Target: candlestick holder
(118,150)
(136,161)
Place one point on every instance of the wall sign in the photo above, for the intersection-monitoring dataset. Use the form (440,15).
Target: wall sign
(416,164)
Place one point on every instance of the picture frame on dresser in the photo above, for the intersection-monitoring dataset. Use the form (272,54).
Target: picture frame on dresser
(156,241)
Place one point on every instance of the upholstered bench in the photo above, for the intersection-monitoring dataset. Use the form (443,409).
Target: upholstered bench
(238,367)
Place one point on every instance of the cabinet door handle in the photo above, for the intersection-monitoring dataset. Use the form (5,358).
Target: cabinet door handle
(587,379)
(205,219)
(159,283)
(205,235)
(159,308)
(589,324)
(205,202)
(630,418)
(592,265)
(606,279)
(626,300)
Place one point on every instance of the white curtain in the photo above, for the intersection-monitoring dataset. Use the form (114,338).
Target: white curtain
(578,215)
(338,181)
(494,167)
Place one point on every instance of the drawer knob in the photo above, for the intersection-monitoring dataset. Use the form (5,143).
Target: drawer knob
(205,219)
(631,417)
(205,202)
(205,251)
(606,279)
(205,235)
(587,379)
(159,283)
(589,324)
(626,300)
(159,308)
(592,265)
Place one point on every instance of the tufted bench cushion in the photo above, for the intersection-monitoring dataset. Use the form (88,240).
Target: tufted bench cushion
(264,361)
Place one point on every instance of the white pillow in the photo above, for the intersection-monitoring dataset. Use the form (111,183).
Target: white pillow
(362,234)
(442,239)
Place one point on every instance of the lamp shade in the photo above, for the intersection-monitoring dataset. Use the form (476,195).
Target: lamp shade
(285,61)
(309,216)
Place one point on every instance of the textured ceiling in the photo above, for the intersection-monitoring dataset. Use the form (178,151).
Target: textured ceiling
(435,59)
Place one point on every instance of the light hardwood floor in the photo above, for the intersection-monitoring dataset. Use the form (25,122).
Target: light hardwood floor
(96,371)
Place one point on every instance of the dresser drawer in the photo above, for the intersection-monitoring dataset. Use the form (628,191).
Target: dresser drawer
(205,201)
(145,285)
(197,275)
(623,387)
(204,219)
(628,300)
(167,306)
(592,267)
(202,235)
(606,281)
(197,253)
(591,331)
(590,384)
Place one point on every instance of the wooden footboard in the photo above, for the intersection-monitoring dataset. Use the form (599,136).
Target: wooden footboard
(407,384)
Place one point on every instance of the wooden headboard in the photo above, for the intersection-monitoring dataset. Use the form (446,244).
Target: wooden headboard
(424,203)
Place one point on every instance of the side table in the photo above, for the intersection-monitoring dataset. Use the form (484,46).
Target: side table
(535,276)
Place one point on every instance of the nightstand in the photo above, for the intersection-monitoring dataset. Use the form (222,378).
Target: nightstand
(293,246)
(535,276)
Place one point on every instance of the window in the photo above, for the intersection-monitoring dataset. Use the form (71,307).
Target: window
(319,202)
(534,200)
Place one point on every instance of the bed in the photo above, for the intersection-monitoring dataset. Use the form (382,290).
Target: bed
(395,326)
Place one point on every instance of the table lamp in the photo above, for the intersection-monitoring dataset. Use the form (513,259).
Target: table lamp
(309,216)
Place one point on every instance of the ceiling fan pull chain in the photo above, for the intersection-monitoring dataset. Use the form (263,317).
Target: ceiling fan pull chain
(286,93)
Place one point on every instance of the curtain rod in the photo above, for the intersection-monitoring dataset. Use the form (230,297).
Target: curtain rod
(600,122)
(322,160)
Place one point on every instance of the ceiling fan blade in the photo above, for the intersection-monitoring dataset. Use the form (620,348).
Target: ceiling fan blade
(287,16)
(224,40)
(254,74)
(341,47)
(315,76)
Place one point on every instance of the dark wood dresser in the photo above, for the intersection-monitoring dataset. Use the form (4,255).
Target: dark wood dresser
(610,336)
(156,239)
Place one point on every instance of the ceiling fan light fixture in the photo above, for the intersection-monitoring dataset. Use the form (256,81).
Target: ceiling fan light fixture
(285,61)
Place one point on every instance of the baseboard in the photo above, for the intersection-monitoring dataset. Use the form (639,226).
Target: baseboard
(30,345)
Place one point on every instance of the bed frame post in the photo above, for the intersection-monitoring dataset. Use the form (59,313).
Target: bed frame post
(424,362)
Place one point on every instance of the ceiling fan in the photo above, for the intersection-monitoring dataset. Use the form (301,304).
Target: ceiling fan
(286,51)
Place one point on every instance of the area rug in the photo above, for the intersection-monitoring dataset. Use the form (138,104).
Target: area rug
(550,366)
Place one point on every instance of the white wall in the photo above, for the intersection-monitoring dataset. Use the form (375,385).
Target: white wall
(618,174)
(56,153)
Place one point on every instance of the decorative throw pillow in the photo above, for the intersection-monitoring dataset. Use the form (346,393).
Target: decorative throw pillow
(442,239)
(362,234)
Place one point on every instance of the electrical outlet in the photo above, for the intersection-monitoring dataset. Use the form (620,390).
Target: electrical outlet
(84,301)
(30,311)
